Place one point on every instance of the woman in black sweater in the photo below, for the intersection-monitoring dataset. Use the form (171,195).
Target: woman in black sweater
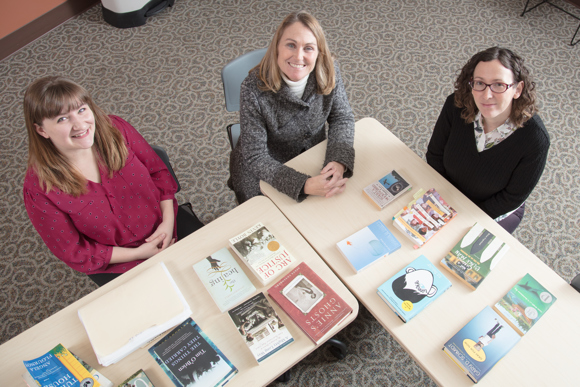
(488,141)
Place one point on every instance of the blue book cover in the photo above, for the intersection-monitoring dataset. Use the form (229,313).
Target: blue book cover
(413,288)
(480,344)
(190,358)
(368,245)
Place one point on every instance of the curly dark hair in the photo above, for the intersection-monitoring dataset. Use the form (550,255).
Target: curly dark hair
(523,108)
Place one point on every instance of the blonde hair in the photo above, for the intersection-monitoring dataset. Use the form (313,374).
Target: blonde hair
(47,98)
(268,71)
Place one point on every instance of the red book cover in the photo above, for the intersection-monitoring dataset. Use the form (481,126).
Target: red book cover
(309,302)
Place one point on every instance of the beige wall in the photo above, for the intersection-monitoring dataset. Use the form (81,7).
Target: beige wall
(17,13)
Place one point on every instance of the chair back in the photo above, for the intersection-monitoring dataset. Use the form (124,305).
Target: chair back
(165,158)
(234,73)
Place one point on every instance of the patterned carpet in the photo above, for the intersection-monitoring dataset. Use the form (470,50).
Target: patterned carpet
(398,60)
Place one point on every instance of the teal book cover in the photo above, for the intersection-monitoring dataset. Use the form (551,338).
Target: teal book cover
(413,288)
(191,359)
(480,344)
(368,245)
(524,304)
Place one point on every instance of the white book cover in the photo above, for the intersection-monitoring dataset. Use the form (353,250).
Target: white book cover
(224,279)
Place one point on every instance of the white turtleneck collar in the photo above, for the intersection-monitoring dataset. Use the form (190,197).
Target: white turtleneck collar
(297,88)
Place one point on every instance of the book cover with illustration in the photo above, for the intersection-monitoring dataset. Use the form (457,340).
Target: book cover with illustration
(190,358)
(413,288)
(423,217)
(224,279)
(475,255)
(59,366)
(138,379)
(480,344)
(260,327)
(386,189)
(525,304)
(262,252)
(368,245)
(310,302)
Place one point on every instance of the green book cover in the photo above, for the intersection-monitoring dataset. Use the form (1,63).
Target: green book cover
(525,304)
(475,255)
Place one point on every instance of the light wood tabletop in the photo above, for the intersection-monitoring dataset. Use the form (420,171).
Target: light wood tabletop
(65,327)
(539,359)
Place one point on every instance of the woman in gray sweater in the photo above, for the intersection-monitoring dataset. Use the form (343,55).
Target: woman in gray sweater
(285,103)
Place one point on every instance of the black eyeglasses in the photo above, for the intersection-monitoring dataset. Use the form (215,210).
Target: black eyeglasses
(496,87)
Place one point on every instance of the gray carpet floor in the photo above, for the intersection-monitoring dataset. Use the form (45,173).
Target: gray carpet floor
(398,59)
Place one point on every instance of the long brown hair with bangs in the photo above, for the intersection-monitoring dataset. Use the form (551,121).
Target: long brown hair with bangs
(269,72)
(47,98)
(523,108)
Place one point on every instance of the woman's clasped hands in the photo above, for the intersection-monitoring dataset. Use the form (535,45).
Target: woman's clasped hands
(328,183)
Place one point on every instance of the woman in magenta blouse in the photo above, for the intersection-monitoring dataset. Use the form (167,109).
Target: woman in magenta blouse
(96,192)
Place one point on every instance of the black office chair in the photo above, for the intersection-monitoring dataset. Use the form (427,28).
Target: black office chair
(233,74)
(187,221)
(576,282)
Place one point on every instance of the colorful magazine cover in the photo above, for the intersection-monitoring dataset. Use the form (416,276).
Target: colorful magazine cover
(422,218)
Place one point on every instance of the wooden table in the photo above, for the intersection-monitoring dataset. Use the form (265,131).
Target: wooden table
(65,327)
(544,357)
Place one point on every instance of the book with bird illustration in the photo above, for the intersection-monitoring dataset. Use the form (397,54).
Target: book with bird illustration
(368,245)
(224,279)
(524,304)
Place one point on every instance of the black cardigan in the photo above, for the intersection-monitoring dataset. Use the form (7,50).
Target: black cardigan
(498,179)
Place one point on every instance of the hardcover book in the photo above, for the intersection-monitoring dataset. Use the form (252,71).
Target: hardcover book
(386,189)
(480,344)
(422,218)
(368,245)
(262,252)
(224,279)
(138,379)
(413,288)
(260,327)
(57,367)
(474,256)
(524,304)
(190,358)
(309,302)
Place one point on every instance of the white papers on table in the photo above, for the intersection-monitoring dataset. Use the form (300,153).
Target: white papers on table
(131,315)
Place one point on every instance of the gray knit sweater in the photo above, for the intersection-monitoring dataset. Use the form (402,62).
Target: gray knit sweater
(276,127)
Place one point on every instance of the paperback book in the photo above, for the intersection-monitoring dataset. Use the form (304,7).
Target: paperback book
(310,302)
(260,327)
(413,288)
(424,217)
(59,366)
(190,358)
(224,279)
(525,304)
(138,379)
(262,252)
(368,245)
(386,189)
(474,256)
(480,344)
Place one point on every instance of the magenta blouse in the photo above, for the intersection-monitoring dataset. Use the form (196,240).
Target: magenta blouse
(121,211)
